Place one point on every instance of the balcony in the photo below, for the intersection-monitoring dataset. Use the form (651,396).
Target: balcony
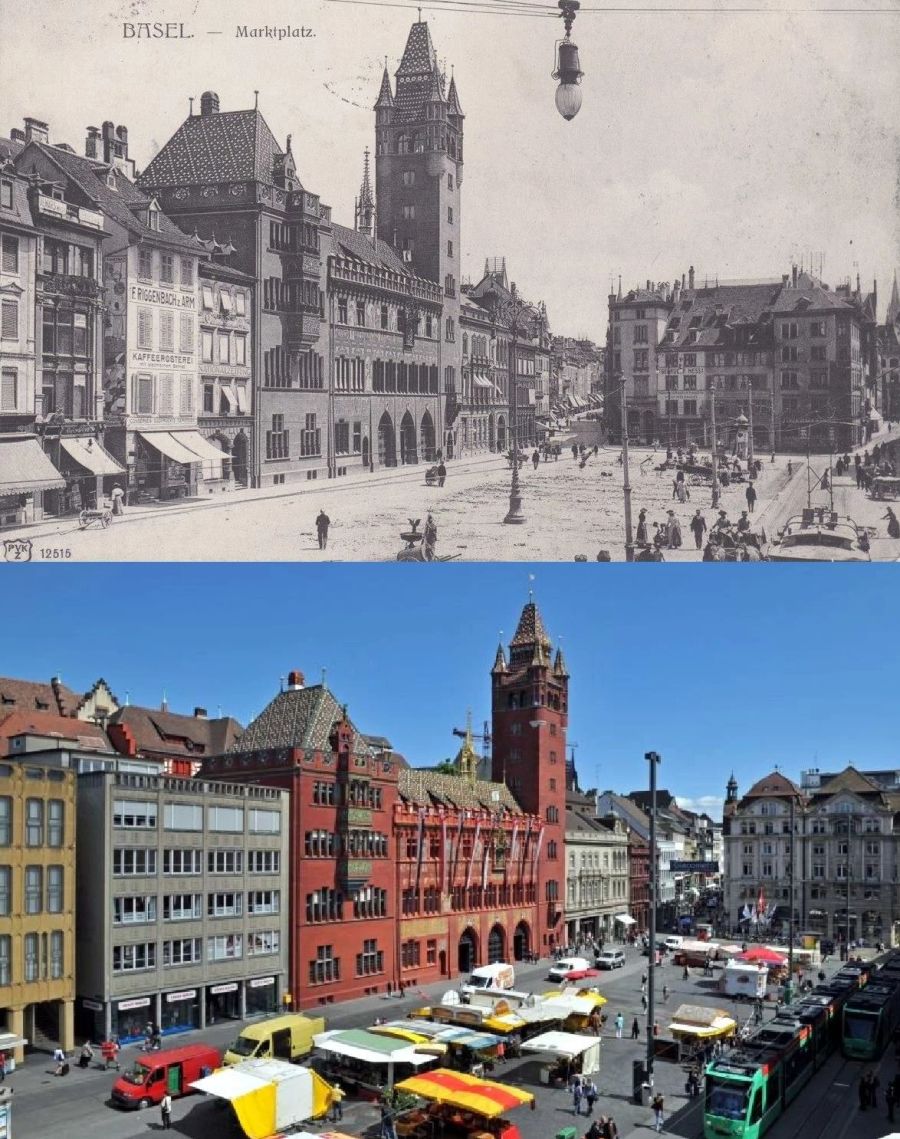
(67,285)
(354,872)
(65,211)
(300,329)
(354,817)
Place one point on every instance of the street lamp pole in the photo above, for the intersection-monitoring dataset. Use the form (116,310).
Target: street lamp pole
(626,485)
(715,445)
(653,759)
(514,515)
(750,417)
(791,904)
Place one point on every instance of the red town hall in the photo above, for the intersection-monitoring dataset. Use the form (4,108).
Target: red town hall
(401,876)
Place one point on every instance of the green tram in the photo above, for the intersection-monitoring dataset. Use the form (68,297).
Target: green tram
(869,1018)
(747,1090)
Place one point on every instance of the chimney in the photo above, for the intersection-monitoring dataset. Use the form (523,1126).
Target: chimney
(682,280)
(199,713)
(794,275)
(295,681)
(784,278)
(209,103)
(92,143)
(691,277)
(36,131)
(17,135)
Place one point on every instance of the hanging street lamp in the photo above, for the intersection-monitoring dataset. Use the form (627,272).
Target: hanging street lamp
(568,65)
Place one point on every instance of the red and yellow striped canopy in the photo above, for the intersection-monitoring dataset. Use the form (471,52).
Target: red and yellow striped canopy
(484,1097)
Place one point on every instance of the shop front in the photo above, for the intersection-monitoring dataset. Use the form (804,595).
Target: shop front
(90,1019)
(129,1018)
(26,473)
(175,464)
(180,1011)
(223,1002)
(90,473)
(261,996)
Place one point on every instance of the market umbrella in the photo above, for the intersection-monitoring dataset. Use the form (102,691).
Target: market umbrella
(484,1097)
(761,954)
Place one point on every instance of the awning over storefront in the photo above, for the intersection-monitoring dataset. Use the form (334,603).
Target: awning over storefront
(24,468)
(207,451)
(89,454)
(625,919)
(187,447)
(167,444)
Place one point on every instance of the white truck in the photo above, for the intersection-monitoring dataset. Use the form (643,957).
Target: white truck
(743,979)
(500,975)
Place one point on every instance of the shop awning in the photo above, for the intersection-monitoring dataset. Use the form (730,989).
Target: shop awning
(230,398)
(481,382)
(167,444)
(567,1044)
(24,468)
(11,1040)
(89,454)
(484,1097)
(240,394)
(207,451)
(356,1044)
(475,1040)
(625,919)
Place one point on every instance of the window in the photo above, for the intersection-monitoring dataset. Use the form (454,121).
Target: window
(186,403)
(167,394)
(5,820)
(179,862)
(817,352)
(145,263)
(264,822)
(6,194)
(449,248)
(409,212)
(5,891)
(278,439)
(9,389)
(310,437)
(182,817)
(227,947)
(145,328)
(186,338)
(324,905)
(552,815)
(183,951)
(240,302)
(240,349)
(263,861)
(182,907)
(261,942)
(342,310)
(224,339)
(384,316)
(9,320)
(133,958)
(225,861)
(371,960)
(450,214)
(134,909)
(640,360)
(409,177)
(225,819)
(207,296)
(132,813)
(34,822)
(326,967)
(206,345)
(167,268)
(264,902)
(789,354)
(133,862)
(9,258)
(817,328)
(54,889)
(224,905)
(5,954)
(689,407)
(187,273)
(30,945)
(56,954)
(789,330)
(34,888)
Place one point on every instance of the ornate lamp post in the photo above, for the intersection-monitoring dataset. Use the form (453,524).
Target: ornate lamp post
(715,443)
(512,312)
(626,485)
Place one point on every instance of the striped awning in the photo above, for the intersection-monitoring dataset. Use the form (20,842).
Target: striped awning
(24,468)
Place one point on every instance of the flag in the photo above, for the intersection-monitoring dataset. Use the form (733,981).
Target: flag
(745,915)
(761,902)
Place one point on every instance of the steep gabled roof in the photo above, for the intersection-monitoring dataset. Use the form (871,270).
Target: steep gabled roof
(530,630)
(848,780)
(774,784)
(415,76)
(371,251)
(82,733)
(37,696)
(426,788)
(228,146)
(161,732)
(301,718)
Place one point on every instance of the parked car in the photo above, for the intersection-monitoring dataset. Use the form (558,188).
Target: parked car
(610,959)
(560,969)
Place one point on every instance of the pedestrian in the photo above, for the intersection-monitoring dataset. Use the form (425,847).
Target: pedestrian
(641,535)
(863,1091)
(890,1098)
(743,524)
(874,1085)
(2,1065)
(635,1029)
(657,1105)
(577,1093)
(893,525)
(673,531)
(118,499)
(644,1002)
(698,528)
(441,473)
(337,1106)
(751,496)
(590,1096)
(620,1024)
(686,974)
(86,1055)
(165,1110)
(665,992)
(388,1131)
(430,534)
(536,458)
(322,524)
(62,1065)
(595,1131)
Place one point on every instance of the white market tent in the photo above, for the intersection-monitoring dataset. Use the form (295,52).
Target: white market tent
(625,919)
(269,1095)
(566,1046)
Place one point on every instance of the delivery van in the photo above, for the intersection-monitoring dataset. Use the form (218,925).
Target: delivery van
(497,976)
(565,965)
(172,1071)
(288,1037)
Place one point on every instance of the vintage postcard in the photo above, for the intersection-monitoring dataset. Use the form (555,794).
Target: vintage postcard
(482,280)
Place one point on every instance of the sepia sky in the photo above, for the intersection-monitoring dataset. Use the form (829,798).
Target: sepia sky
(733,141)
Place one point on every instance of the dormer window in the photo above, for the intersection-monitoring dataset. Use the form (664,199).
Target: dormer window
(153,216)
(111,180)
(6,194)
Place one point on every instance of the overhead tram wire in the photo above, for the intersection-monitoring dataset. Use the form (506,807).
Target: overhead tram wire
(524,8)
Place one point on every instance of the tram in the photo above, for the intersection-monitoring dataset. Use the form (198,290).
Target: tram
(870,1017)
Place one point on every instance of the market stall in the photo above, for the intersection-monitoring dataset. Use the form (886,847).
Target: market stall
(694,1025)
(269,1096)
(461,1106)
(571,1053)
(364,1062)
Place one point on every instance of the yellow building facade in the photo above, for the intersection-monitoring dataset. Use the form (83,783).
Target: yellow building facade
(37,905)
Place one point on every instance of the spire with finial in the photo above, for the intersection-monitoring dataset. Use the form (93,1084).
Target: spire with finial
(453,104)
(619,294)
(731,789)
(559,663)
(467,760)
(385,96)
(499,659)
(365,205)
(893,309)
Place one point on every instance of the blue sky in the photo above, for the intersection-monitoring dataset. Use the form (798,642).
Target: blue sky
(730,668)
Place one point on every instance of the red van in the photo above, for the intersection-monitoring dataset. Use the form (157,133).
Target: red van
(173,1071)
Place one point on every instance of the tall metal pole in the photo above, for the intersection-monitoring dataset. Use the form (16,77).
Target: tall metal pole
(514,514)
(791,905)
(750,416)
(715,447)
(653,759)
(626,485)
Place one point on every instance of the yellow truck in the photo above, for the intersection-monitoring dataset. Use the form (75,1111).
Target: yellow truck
(288,1037)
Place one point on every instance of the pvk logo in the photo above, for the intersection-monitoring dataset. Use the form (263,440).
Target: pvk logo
(17,549)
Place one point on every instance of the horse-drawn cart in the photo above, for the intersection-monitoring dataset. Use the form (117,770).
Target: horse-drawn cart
(101,516)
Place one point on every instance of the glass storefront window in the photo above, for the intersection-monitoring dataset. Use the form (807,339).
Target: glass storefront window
(223,1002)
(180,1011)
(130,1018)
(262,996)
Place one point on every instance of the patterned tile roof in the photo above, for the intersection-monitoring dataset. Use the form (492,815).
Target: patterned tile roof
(808,293)
(372,251)
(119,204)
(171,733)
(418,77)
(426,788)
(703,317)
(228,146)
(299,717)
(530,630)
